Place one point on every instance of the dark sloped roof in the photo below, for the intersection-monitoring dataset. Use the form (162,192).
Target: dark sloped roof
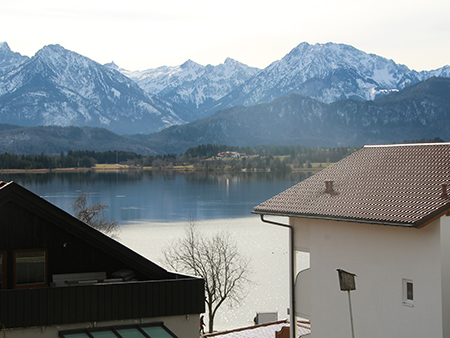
(393,185)
(11,191)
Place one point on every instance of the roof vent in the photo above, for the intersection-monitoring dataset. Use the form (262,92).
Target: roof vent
(329,188)
(444,193)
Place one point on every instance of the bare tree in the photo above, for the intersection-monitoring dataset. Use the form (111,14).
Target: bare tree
(217,260)
(94,215)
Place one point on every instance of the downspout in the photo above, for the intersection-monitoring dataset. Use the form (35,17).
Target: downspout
(292,267)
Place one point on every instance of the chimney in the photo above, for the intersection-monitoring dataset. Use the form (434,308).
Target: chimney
(328,187)
(444,194)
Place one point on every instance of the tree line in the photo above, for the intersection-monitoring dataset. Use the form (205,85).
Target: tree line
(276,158)
(76,159)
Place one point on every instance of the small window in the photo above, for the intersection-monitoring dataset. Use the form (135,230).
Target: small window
(30,268)
(2,270)
(408,292)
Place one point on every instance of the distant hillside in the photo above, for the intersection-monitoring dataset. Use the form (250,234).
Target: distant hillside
(5,126)
(53,140)
(418,111)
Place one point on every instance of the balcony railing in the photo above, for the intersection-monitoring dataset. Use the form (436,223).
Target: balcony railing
(101,302)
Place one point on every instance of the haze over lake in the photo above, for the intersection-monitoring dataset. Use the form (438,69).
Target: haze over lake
(153,208)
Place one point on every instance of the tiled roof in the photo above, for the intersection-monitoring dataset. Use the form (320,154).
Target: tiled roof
(261,331)
(393,185)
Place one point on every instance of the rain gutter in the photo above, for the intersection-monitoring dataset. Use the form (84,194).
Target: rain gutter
(292,267)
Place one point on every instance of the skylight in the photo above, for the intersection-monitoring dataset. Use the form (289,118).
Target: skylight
(153,330)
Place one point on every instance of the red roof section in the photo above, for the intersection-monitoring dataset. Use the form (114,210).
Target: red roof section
(266,330)
(392,185)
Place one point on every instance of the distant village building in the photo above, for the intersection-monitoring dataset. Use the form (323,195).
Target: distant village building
(230,154)
(382,213)
(233,154)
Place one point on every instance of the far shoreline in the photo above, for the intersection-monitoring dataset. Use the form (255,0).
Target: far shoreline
(119,167)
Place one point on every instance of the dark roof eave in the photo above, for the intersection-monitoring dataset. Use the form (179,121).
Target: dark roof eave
(338,219)
(433,216)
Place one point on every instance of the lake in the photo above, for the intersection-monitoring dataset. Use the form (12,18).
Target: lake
(153,208)
(161,196)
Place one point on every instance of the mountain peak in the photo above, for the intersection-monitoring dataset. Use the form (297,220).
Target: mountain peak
(4,46)
(8,59)
(230,60)
(111,65)
(51,52)
(189,64)
(54,48)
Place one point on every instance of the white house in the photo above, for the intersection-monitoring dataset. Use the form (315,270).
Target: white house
(381,213)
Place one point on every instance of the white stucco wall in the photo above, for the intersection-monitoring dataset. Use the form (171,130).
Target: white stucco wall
(380,256)
(445,263)
(182,326)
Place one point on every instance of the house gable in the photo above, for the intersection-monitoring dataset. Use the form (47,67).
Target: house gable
(30,222)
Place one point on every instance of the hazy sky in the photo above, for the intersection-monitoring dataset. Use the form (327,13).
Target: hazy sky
(142,34)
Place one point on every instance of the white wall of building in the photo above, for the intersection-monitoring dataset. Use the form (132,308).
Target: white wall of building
(381,257)
(445,262)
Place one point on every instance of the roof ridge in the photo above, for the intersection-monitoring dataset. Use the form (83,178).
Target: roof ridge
(300,323)
(281,321)
(406,145)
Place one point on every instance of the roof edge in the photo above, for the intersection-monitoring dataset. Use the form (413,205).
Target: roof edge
(339,219)
(4,184)
(407,145)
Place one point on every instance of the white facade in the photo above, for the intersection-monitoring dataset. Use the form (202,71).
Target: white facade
(383,258)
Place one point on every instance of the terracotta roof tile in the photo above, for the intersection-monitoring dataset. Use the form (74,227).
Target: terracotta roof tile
(397,184)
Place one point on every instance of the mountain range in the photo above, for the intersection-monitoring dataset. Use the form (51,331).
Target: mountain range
(327,72)
(322,94)
(416,112)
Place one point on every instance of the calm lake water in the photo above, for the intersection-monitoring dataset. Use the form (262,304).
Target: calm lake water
(161,196)
(153,208)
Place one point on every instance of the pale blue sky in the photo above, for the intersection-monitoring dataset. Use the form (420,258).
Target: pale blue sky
(142,34)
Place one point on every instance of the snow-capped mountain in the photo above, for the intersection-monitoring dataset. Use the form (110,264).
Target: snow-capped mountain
(326,72)
(440,72)
(9,60)
(191,84)
(60,87)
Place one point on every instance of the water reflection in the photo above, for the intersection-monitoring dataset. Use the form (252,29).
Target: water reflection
(161,196)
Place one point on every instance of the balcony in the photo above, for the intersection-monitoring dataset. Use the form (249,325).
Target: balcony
(101,302)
